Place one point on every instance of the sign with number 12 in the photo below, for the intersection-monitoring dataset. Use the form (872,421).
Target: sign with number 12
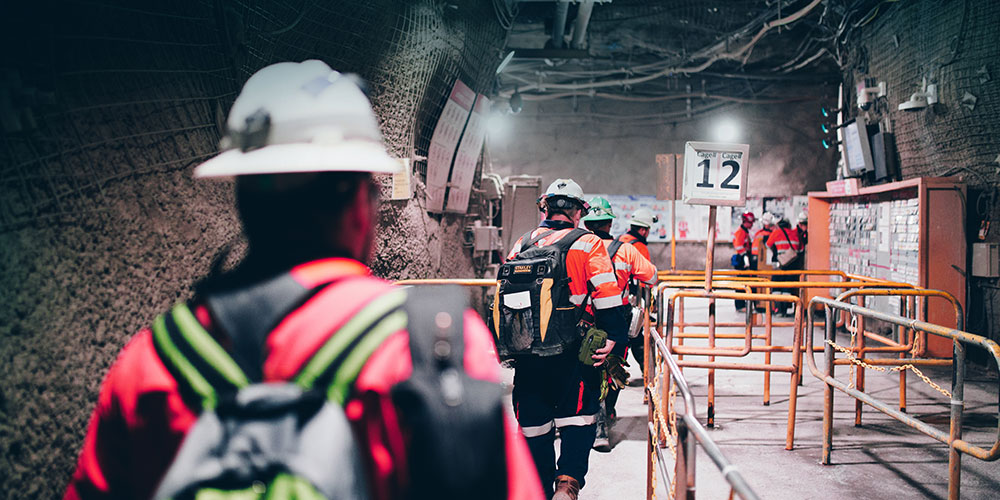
(715,173)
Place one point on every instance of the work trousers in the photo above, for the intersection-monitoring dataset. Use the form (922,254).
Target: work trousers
(557,392)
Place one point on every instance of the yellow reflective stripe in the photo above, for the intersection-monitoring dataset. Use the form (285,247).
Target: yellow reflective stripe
(186,369)
(207,347)
(351,366)
(496,311)
(545,308)
(344,336)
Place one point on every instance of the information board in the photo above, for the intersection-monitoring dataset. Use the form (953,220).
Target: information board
(715,173)
(467,156)
(447,133)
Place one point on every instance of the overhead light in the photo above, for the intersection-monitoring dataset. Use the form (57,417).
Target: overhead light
(505,62)
(827,143)
(927,96)
(827,112)
(726,131)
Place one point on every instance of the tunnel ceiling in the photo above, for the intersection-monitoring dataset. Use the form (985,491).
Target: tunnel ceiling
(664,52)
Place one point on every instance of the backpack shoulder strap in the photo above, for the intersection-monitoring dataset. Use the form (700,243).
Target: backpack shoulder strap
(436,322)
(337,363)
(204,371)
(613,248)
(567,241)
(527,240)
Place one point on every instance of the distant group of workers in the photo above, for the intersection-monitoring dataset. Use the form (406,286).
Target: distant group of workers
(783,245)
(300,375)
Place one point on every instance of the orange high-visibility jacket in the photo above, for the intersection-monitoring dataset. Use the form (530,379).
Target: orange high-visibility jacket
(783,239)
(741,240)
(587,266)
(758,239)
(637,243)
(629,263)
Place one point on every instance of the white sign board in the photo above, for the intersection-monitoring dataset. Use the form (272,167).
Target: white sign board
(467,156)
(444,141)
(692,220)
(715,173)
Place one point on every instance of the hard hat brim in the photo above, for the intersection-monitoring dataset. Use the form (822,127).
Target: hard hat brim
(640,224)
(597,218)
(301,158)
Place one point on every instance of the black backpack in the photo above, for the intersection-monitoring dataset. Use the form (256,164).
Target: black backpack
(532,312)
(291,440)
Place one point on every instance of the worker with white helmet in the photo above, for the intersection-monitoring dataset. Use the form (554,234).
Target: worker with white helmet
(558,386)
(802,227)
(302,144)
(640,224)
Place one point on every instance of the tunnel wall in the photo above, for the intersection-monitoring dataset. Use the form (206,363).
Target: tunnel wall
(106,107)
(952,44)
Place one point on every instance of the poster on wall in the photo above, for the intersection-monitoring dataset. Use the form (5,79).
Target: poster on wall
(444,141)
(467,156)
(692,221)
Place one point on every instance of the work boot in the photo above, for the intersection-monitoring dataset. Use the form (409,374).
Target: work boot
(601,441)
(567,488)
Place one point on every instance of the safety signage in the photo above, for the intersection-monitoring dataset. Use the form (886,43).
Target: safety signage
(715,173)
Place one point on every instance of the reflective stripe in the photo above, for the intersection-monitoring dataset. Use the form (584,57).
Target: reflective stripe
(578,299)
(537,430)
(652,281)
(623,266)
(577,420)
(583,245)
(602,278)
(607,302)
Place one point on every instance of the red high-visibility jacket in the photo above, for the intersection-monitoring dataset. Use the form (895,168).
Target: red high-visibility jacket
(638,244)
(140,418)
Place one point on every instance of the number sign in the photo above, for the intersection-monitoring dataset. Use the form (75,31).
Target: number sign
(715,173)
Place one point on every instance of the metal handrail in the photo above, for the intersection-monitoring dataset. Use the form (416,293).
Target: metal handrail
(953,438)
(690,419)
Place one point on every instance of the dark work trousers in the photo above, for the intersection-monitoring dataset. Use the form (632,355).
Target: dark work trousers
(557,392)
(635,345)
(782,307)
(740,303)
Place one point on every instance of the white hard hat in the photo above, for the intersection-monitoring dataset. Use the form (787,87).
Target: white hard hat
(566,188)
(644,217)
(300,117)
(803,217)
(767,219)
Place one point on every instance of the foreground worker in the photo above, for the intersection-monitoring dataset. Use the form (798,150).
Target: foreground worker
(640,224)
(742,256)
(760,239)
(787,255)
(630,266)
(557,379)
(305,144)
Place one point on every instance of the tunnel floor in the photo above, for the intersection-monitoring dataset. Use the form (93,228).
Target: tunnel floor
(881,459)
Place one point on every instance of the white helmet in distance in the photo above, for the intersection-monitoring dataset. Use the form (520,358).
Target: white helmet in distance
(297,118)
(767,219)
(566,188)
(803,217)
(644,217)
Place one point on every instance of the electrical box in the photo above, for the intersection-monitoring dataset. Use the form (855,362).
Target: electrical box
(986,260)
(485,238)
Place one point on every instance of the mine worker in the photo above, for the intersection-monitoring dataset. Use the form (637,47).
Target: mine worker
(560,391)
(629,265)
(760,239)
(802,227)
(641,222)
(303,143)
(786,250)
(741,250)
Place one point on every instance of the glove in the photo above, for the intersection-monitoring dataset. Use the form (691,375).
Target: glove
(594,339)
(615,372)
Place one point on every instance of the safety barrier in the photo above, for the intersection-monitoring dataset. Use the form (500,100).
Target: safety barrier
(954,437)
(665,430)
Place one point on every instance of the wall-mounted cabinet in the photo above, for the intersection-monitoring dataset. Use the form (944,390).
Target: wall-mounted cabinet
(911,231)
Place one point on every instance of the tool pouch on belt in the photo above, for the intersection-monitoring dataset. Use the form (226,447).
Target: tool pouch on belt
(593,340)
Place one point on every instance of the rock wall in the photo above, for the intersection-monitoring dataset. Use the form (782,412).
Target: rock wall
(105,110)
